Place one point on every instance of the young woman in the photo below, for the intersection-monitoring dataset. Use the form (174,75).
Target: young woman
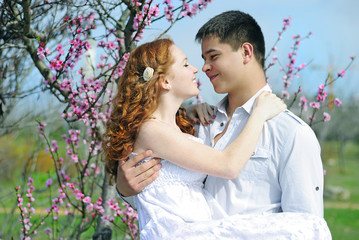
(147,114)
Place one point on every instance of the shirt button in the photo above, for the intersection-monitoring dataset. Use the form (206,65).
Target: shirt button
(317,188)
(221,124)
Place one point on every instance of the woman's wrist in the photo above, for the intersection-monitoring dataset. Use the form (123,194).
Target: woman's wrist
(258,115)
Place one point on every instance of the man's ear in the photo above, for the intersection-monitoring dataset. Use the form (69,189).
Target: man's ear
(247,51)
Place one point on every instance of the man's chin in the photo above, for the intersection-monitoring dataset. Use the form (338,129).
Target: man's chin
(219,90)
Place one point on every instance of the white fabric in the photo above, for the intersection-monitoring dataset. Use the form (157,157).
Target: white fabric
(176,206)
(285,173)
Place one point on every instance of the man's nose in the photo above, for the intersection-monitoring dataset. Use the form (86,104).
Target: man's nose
(206,67)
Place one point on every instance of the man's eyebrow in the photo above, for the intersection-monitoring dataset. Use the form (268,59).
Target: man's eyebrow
(208,51)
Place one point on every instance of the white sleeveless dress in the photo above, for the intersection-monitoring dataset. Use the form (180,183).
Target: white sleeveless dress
(176,206)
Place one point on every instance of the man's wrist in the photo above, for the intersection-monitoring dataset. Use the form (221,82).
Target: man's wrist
(119,193)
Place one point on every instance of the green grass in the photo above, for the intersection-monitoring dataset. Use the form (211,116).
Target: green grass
(12,231)
(342,215)
(343,223)
(19,148)
(347,177)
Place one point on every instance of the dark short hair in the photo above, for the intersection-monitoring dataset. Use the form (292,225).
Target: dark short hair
(235,28)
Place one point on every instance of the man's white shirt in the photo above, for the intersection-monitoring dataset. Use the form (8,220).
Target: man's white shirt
(285,172)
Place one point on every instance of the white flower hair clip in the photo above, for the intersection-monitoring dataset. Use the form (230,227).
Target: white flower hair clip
(147,74)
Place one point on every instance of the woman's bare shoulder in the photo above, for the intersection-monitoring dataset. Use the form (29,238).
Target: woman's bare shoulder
(152,128)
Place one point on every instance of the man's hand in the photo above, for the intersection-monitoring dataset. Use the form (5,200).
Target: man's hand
(201,113)
(131,180)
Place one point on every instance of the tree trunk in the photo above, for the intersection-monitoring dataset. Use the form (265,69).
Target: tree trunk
(104,228)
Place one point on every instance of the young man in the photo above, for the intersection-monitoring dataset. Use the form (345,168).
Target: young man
(285,172)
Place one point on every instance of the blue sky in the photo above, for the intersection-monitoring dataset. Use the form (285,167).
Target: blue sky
(334,24)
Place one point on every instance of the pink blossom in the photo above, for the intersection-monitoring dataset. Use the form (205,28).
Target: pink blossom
(286,21)
(315,105)
(89,207)
(122,64)
(79,196)
(100,65)
(285,94)
(310,118)
(341,73)
(155,11)
(70,185)
(48,182)
(87,45)
(337,102)
(321,96)
(47,51)
(40,53)
(303,103)
(301,66)
(60,49)
(87,200)
(30,181)
(74,158)
(326,117)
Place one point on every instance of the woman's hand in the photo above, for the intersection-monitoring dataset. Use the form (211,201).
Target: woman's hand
(268,105)
(201,113)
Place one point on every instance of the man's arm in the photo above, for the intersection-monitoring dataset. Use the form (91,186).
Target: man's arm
(301,173)
(132,179)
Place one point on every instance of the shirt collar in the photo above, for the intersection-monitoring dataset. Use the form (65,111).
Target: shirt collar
(247,106)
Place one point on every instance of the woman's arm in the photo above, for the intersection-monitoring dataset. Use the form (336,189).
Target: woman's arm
(169,144)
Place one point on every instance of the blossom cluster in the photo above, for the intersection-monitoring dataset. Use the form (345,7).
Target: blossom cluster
(87,93)
(26,208)
(291,70)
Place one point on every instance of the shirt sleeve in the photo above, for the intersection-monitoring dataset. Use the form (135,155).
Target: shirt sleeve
(301,173)
(130,200)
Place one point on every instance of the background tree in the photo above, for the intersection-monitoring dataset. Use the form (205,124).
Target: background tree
(342,128)
(61,40)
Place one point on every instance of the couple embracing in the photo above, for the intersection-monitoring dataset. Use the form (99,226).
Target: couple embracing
(254,173)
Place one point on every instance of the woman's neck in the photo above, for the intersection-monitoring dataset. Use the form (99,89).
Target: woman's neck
(167,110)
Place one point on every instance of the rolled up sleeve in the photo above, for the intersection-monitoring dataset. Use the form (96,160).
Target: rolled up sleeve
(301,173)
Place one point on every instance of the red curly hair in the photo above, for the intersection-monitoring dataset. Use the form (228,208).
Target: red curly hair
(136,100)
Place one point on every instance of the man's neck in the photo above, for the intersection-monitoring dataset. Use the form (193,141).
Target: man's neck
(239,98)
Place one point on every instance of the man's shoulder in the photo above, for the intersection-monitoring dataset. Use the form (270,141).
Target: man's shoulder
(288,121)
(291,118)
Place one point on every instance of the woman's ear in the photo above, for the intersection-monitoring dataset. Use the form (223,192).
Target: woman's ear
(247,51)
(165,84)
